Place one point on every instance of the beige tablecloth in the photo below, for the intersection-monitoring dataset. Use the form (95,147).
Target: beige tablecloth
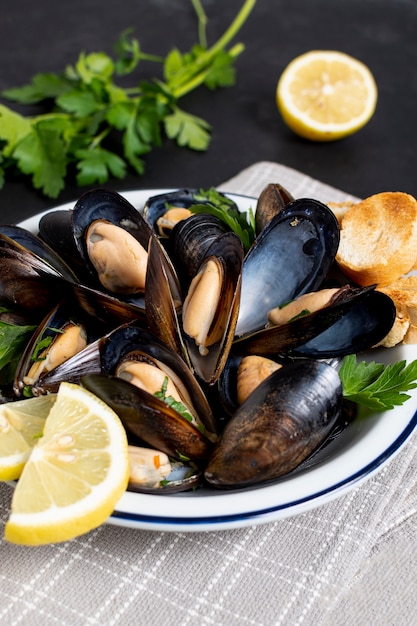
(352,561)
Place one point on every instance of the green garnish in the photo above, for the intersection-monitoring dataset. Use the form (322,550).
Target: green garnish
(13,341)
(170,401)
(300,314)
(240,222)
(377,386)
(43,343)
(84,104)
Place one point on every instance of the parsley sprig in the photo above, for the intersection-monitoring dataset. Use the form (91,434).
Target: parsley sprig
(240,222)
(85,104)
(377,386)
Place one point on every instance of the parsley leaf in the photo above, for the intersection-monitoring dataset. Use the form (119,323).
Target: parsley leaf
(95,165)
(42,153)
(377,386)
(84,104)
(188,130)
(13,341)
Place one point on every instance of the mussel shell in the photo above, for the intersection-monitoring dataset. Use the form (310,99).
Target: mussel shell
(177,482)
(86,361)
(104,204)
(228,250)
(129,338)
(39,247)
(157,205)
(358,320)
(27,282)
(55,229)
(190,240)
(272,199)
(163,299)
(149,418)
(292,256)
(105,307)
(280,425)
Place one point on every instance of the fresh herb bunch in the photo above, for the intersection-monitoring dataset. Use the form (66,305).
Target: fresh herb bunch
(86,104)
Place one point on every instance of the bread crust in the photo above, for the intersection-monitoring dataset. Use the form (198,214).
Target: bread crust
(378,238)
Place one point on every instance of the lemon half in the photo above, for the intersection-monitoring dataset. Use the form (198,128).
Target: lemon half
(75,474)
(325,95)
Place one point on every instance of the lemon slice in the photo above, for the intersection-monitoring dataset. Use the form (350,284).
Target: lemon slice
(325,95)
(75,474)
(21,425)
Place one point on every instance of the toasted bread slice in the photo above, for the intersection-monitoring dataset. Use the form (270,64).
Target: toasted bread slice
(403,292)
(340,208)
(378,239)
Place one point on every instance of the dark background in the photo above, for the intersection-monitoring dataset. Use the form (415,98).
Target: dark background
(49,34)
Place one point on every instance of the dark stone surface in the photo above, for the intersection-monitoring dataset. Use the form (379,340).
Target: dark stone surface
(48,35)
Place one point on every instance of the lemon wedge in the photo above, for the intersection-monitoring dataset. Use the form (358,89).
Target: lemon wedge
(75,475)
(324,95)
(21,425)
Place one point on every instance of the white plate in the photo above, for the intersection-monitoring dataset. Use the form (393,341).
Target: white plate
(360,451)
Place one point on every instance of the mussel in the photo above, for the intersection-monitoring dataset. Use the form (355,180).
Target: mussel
(152,471)
(28,283)
(150,419)
(112,238)
(291,256)
(64,347)
(355,320)
(133,353)
(272,199)
(281,423)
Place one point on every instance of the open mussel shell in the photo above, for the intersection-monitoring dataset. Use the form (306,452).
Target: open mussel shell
(106,207)
(356,321)
(133,343)
(150,419)
(291,256)
(227,252)
(280,425)
(64,347)
(156,206)
(163,299)
(151,471)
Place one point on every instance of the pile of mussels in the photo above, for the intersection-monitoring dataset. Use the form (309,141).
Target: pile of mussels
(159,309)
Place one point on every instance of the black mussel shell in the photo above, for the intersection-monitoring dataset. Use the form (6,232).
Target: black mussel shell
(38,246)
(272,199)
(280,425)
(157,205)
(84,362)
(357,321)
(190,240)
(55,228)
(104,204)
(28,283)
(129,339)
(291,256)
(149,418)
